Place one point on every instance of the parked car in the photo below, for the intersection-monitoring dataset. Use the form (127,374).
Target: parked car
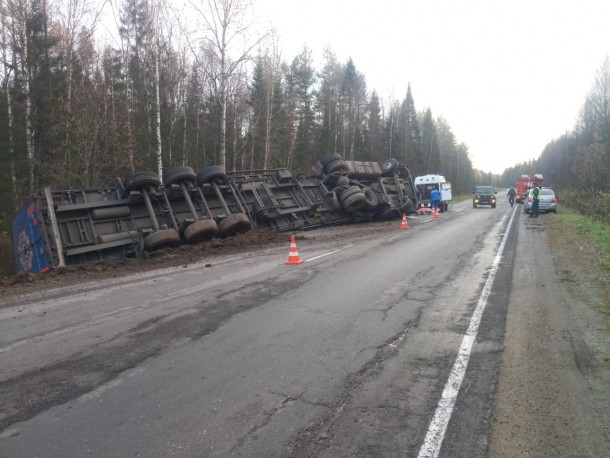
(548,201)
(484,195)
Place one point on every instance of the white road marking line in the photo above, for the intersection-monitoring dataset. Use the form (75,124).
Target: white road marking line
(438,426)
(329,253)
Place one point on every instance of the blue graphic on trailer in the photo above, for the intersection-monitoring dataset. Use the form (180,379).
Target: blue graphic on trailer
(28,245)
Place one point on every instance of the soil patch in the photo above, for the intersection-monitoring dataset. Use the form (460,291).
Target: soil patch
(184,255)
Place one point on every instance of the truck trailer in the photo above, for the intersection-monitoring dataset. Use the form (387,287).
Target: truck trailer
(145,212)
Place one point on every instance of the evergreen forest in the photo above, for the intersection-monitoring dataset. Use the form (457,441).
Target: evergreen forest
(79,110)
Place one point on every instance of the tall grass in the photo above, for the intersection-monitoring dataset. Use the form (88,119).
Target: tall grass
(588,231)
(595,205)
(587,241)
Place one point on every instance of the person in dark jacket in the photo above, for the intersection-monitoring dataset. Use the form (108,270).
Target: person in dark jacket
(511,196)
(435,199)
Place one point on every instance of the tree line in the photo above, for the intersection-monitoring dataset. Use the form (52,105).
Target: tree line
(78,112)
(577,164)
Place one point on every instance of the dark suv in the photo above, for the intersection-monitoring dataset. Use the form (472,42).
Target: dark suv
(484,195)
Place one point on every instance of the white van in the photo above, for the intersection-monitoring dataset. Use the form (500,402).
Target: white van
(426,183)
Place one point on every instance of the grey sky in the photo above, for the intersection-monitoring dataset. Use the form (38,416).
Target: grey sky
(509,76)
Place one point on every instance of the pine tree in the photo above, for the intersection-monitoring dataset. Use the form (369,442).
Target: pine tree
(413,143)
(430,143)
(300,84)
(327,103)
(375,151)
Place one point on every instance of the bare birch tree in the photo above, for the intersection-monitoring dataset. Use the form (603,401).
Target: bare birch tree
(73,15)
(5,75)
(17,18)
(226,45)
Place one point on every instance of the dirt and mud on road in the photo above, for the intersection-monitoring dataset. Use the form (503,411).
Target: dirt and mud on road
(183,255)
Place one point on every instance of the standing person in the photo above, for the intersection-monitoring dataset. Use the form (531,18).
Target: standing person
(511,196)
(535,201)
(435,198)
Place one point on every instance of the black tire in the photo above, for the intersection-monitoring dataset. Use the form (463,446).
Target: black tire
(474,205)
(336,166)
(237,223)
(141,180)
(389,167)
(330,158)
(177,174)
(407,208)
(354,202)
(164,237)
(493,205)
(371,198)
(202,230)
(210,174)
(349,191)
(390,213)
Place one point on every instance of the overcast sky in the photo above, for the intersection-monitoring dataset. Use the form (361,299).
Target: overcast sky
(508,76)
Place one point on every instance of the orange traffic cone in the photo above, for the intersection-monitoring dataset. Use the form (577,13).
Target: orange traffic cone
(293,255)
(404,224)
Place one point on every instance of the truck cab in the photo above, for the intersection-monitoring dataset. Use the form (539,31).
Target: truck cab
(426,183)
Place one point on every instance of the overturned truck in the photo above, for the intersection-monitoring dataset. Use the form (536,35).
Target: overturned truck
(144,212)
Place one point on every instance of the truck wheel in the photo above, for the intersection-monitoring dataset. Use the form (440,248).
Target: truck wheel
(330,158)
(493,205)
(211,173)
(354,202)
(177,174)
(407,208)
(140,180)
(389,167)
(161,238)
(474,205)
(199,231)
(237,223)
(371,198)
(350,191)
(390,213)
(336,166)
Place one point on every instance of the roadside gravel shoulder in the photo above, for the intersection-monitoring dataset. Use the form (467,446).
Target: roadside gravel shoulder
(553,395)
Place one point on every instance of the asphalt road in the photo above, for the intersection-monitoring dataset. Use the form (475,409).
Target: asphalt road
(387,344)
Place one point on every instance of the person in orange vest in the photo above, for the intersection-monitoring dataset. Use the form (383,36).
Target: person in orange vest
(535,201)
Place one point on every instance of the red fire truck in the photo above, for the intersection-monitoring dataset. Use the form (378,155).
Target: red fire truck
(525,183)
